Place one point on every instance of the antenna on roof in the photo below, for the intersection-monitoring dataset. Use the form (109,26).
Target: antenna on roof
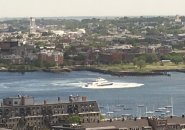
(172,104)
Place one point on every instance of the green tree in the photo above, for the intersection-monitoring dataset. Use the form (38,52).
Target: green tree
(151,58)
(74,119)
(102,117)
(48,64)
(177,59)
(140,63)
(37,63)
(20,67)
(80,57)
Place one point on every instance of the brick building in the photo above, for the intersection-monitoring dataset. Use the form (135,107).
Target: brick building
(22,113)
(5,46)
(51,57)
(163,50)
(111,57)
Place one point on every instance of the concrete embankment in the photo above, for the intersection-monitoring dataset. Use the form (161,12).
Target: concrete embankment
(92,69)
(171,70)
(121,73)
(54,70)
(58,70)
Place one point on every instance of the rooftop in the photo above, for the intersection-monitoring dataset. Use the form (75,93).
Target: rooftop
(139,123)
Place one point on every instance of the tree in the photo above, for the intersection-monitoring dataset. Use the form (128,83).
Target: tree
(177,59)
(74,119)
(150,58)
(140,63)
(80,57)
(102,117)
(47,33)
(39,63)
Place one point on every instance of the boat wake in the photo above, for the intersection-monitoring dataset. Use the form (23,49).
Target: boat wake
(114,85)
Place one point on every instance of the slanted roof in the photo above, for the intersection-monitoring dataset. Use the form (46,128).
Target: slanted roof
(4,129)
(175,120)
(139,123)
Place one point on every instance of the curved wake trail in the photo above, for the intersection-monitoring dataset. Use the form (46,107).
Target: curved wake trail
(115,85)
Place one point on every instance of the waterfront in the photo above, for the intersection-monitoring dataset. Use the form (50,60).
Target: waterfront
(156,91)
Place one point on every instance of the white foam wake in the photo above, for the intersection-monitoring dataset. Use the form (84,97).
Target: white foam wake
(115,85)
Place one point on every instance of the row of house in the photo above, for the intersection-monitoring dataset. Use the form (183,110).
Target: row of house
(168,123)
(25,54)
(21,112)
(118,55)
(51,56)
(15,53)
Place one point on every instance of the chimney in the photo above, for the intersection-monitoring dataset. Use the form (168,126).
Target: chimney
(59,99)
(71,98)
(45,102)
(77,98)
(84,98)
(22,100)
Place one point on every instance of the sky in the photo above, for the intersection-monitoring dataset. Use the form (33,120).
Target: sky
(59,8)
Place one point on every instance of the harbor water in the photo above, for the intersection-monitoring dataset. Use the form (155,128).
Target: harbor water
(151,91)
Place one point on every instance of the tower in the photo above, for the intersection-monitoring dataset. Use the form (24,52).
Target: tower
(32,25)
(177,19)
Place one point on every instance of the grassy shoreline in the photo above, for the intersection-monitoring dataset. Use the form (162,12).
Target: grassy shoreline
(116,69)
(148,68)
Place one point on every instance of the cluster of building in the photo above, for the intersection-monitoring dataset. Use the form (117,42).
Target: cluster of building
(15,53)
(126,53)
(21,112)
(118,53)
(45,43)
(50,43)
(168,123)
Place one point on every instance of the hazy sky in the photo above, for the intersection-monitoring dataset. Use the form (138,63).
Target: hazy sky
(46,8)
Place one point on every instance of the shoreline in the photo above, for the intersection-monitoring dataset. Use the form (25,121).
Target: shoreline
(123,73)
(115,73)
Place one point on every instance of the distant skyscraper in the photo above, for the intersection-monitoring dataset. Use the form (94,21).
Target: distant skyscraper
(177,18)
(32,25)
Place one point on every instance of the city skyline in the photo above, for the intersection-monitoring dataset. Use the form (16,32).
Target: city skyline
(60,8)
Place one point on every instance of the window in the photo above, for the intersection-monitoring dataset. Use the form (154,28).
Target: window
(15,102)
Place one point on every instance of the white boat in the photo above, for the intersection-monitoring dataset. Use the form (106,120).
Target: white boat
(110,112)
(117,110)
(99,82)
(120,105)
(149,112)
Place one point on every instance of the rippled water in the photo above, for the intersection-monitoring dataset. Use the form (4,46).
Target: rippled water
(156,91)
